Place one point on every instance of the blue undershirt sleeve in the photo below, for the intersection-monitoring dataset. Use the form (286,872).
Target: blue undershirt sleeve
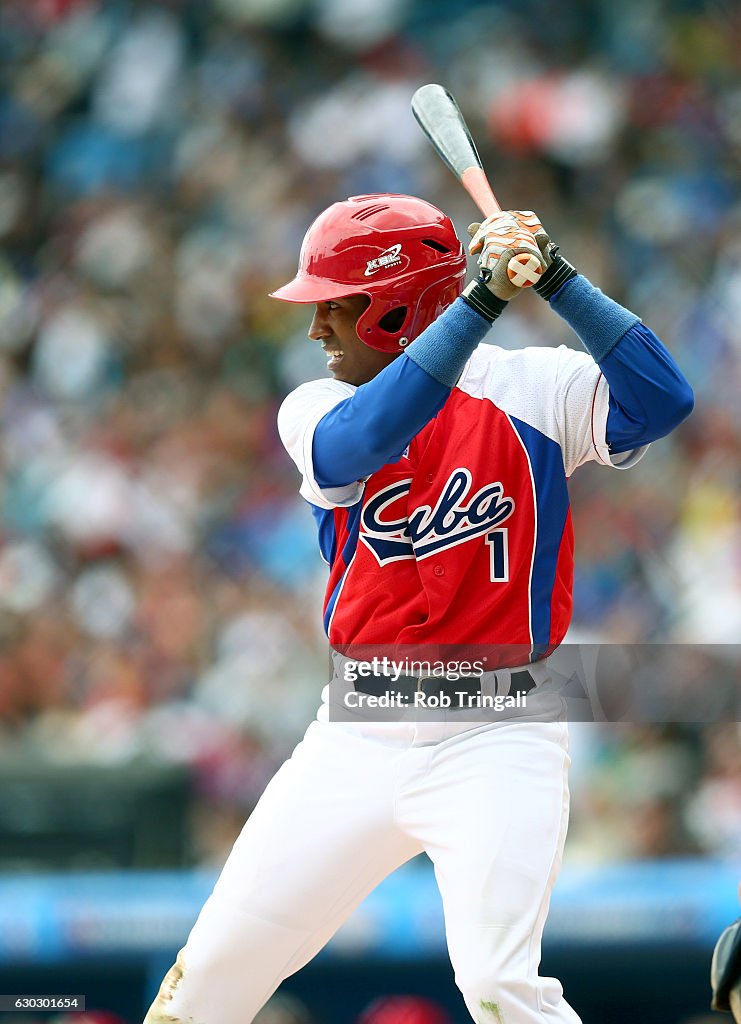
(649,395)
(598,321)
(444,348)
(375,425)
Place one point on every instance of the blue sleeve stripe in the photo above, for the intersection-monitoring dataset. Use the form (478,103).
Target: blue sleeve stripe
(347,555)
(598,320)
(443,349)
(551,500)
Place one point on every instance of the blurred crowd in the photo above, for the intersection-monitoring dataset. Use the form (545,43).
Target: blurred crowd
(160,585)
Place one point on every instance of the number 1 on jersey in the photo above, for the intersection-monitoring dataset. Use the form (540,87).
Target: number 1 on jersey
(499,556)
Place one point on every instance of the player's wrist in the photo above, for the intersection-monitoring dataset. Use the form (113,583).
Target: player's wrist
(558,273)
(481,299)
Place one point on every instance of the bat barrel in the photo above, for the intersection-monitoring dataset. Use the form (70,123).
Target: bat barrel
(441,120)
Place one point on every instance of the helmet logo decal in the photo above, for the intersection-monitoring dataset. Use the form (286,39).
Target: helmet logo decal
(389,258)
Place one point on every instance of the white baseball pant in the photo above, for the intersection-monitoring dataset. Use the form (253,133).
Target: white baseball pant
(489,805)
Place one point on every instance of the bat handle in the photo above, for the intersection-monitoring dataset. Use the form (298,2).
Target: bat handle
(475,182)
(523,270)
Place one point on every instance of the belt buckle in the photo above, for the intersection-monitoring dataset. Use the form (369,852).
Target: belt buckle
(419,688)
(439,681)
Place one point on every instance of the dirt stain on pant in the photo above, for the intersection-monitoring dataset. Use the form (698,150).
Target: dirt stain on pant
(492,1011)
(157,1011)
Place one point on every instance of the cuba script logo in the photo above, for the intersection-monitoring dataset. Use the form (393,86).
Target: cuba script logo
(458,516)
(389,258)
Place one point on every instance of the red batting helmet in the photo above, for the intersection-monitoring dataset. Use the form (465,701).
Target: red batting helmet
(402,252)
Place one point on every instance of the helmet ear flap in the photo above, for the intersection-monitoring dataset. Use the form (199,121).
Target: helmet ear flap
(393,321)
(385,329)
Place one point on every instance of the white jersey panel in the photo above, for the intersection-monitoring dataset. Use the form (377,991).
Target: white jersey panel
(297,420)
(558,391)
(600,409)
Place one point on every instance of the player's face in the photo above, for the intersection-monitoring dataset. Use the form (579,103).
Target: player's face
(349,359)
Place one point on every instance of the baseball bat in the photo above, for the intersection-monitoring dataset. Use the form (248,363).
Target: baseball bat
(439,117)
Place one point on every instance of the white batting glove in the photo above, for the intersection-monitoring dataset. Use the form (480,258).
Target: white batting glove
(501,237)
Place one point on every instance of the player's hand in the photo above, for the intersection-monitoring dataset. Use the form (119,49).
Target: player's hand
(501,237)
(558,271)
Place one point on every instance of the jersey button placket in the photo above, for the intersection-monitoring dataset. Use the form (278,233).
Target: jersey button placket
(438,569)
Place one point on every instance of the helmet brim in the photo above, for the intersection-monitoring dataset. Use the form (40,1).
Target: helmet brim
(306,288)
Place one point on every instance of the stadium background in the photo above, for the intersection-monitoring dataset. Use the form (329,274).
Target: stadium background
(160,644)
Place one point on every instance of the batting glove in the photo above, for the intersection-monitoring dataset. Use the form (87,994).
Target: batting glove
(496,241)
(500,238)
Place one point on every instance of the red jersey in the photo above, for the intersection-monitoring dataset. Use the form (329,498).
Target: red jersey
(466,539)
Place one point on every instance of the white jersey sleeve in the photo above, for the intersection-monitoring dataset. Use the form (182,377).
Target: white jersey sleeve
(560,392)
(582,402)
(297,420)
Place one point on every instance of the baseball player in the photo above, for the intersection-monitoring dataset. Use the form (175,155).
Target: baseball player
(435,467)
